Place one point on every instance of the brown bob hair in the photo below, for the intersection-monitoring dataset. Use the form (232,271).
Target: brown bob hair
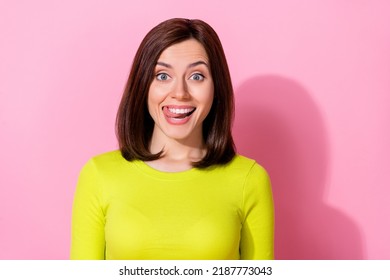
(134,125)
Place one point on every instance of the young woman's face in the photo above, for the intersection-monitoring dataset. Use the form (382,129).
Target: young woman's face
(182,91)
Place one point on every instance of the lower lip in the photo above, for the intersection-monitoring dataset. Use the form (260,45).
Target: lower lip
(177,121)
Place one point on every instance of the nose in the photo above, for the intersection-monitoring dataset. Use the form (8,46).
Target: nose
(180,90)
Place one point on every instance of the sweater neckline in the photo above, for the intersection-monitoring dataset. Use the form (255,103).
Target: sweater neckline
(180,175)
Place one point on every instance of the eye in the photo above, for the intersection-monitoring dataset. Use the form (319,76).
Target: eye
(197,77)
(162,76)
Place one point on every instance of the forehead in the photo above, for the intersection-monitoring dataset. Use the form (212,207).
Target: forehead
(190,49)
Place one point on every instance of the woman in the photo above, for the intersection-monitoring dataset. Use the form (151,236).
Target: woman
(176,189)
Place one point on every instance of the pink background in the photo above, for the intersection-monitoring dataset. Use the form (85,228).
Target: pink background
(313,107)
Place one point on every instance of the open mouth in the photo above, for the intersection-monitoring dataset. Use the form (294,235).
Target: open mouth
(178,113)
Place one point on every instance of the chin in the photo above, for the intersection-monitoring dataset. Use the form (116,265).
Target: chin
(180,133)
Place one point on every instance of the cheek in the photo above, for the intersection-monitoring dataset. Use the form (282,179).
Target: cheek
(154,96)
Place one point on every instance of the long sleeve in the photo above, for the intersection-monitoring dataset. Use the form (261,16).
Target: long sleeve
(257,233)
(128,210)
(88,219)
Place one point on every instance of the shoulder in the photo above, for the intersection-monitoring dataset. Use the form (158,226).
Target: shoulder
(105,162)
(106,169)
(246,165)
(242,171)
(255,174)
(106,159)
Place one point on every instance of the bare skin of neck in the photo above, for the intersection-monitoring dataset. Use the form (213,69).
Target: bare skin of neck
(178,155)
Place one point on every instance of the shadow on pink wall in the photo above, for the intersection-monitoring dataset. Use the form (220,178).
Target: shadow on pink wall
(278,124)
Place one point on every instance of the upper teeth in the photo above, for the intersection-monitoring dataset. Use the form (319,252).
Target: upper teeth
(180,111)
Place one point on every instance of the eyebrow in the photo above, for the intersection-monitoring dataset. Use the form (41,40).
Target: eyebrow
(200,62)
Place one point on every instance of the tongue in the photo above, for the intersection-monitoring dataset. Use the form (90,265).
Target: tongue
(178,116)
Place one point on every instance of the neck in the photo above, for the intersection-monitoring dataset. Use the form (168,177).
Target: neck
(178,154)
